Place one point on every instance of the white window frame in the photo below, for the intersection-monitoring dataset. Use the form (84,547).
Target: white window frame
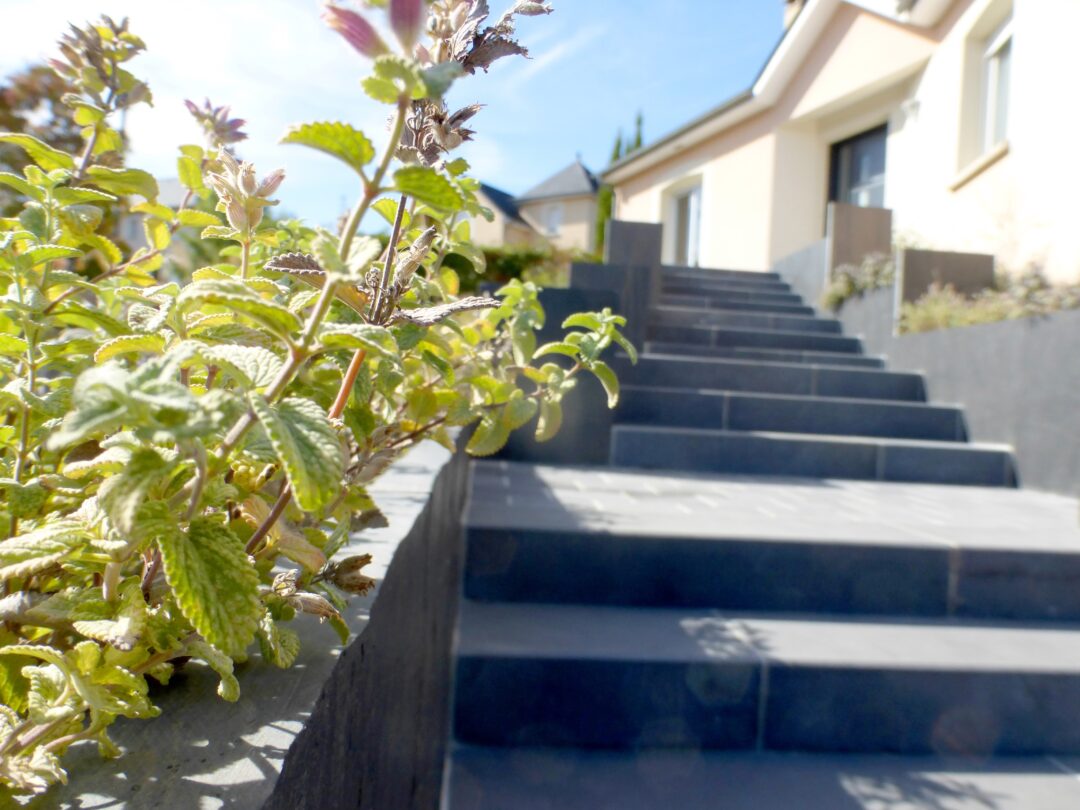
(693,236)
(996,43)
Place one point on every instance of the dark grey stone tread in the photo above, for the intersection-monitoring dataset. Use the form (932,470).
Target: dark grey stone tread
(811,455)
(723,286)
(540,674)
(692,316)
(734,374)
(742,336)
(761,543)
(764,353)
(719,298)
(696,304)
(668,271)
(740,410)
(560,779)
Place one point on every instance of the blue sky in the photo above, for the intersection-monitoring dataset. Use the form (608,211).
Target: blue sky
(595,64)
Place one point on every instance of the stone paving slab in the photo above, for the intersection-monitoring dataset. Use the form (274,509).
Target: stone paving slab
(203,753)
(545,779)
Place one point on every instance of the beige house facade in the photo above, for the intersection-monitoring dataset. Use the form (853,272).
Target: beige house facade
(948,112)
(560,211)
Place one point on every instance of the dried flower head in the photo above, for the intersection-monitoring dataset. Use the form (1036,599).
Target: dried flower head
(90,56)
(432,130)
(345,574)
(220,130)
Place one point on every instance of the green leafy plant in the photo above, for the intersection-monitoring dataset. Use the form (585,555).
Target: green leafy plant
(183,456)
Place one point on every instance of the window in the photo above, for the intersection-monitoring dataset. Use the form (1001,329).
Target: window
(857,169)
(996,69)
(687,219)
(553,219)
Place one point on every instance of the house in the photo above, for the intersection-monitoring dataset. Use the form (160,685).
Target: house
(507,226)
(947,112)
(561,211)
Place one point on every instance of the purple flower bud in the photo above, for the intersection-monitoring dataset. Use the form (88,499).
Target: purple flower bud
(356,30)
(406,18)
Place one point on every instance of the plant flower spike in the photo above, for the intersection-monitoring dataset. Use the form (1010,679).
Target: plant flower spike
(184,454)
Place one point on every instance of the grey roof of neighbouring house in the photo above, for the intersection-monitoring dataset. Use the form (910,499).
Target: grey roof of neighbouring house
(503,201)
(572,181)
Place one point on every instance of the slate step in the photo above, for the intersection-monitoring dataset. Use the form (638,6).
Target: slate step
(480,778)
(735,336)
(739,305)
(721,300)
(807,379)
(680,286)
(706,274)
(813,456)
(620,537)
(733,410)
(697,317)
(770,355)
(607,677)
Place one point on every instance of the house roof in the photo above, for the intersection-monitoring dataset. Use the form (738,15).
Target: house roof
(781,66)
(504,201)
(573,181)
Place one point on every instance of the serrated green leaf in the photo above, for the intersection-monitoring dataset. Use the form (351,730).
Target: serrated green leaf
(40,152)
(279,645)
(584,320)
(626,345)
(129,344)
(438,78)
(491,433)
(343,141)
(222,664)
(75,196)
(307,446)
(40,254)
(106,246)
(607,379)
(189,170)
(124,493)
(550,420)
(194,218)
(123,181)
(238,298)
(253,367)
(22,186)
(427,186)
(215,584)
(519,410)
(12,346)
(558,347)
(35,551)
(155,210)
(375,339)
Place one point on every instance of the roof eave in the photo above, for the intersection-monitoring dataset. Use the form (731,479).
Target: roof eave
(770,82)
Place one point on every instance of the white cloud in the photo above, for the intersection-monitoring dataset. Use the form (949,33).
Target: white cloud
(556,54)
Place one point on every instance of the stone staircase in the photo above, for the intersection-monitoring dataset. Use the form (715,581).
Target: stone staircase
(798,585)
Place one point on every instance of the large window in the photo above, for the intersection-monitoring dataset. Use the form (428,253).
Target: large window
(996,68)
(857,169)
(553,219)
(687,218)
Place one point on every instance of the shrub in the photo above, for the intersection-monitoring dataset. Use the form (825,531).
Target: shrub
(1026,296)
(849,281)
(184,455)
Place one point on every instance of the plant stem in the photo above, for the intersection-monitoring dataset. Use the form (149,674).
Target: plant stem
(269,521)
(245,257)
(347,382)
(376,315)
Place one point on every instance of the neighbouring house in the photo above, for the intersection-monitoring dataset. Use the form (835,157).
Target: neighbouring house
(954,114)
(507,226)
(561,211)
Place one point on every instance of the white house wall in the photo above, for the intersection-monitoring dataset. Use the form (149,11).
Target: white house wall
(764,180)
